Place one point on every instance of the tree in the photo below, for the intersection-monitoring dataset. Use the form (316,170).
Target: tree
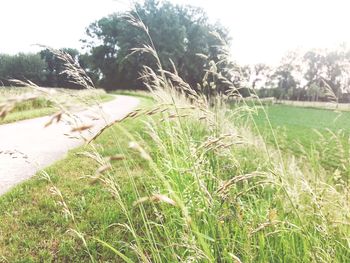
(260,75)
(54,69)
(178,33)
(327,73)
(313,75)
(23,67)
(285,76)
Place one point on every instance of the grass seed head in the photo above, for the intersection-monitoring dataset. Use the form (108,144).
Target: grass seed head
(156,198)
(82,128)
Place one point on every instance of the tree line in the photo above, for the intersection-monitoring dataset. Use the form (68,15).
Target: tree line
(313,75)
(42,68)
(179,34)
(183,37)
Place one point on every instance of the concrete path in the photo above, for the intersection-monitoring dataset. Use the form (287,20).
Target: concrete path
(27,146)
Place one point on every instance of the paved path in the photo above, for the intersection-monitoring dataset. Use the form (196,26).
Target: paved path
(27,146)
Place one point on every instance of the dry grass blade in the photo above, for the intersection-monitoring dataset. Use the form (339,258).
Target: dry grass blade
(56,117)
(203,56)
(329,91)
(133,114)
(118,157)
(155,198)
(235,258)
(136,22)
(211,141)
(135,146)
(101,131)
(265,225)
(71,68)
(29,84)
(227,184)
(103,169)
(182,85)
(94,156)
(99,173)
(6,109)
(7,106)
(82,128)
(144,49)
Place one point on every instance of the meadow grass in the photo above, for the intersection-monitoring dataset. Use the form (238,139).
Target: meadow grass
(299,124)
(302,130)
(177,193)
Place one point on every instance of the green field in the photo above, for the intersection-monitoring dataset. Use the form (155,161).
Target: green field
(300,123)
(300,130)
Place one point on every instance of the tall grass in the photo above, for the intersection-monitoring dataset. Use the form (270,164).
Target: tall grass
(212,190)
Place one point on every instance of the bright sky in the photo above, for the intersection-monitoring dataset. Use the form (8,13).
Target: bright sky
(262,30)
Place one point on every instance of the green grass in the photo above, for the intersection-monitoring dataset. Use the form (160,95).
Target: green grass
(27,114)
(300,123)
(48,104)
(140,93)
(300,129)
(268,219)
(33,227)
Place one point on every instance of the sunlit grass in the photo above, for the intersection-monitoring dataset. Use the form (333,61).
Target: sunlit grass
(300,123)
(302,130)
(251,219)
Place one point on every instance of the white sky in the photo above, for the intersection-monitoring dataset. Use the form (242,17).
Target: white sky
(262,30)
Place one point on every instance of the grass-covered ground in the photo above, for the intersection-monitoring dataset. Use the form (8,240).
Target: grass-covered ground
(180,189)
(300,124)
(34,226)
(45,103)
(299,130)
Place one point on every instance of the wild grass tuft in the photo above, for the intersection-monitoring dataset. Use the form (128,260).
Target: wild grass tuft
(227,194)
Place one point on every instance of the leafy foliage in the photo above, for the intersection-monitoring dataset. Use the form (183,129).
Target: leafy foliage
(179,33)
(55,67)
(22,66)
(315,75)
(43,68)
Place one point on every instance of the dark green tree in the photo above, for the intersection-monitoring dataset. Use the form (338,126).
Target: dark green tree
(54,69)
(23,67)
(179,33)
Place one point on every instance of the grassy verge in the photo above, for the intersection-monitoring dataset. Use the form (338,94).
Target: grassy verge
(185,189)
(33,226)
(28,114)
(140,93)
(47,104)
